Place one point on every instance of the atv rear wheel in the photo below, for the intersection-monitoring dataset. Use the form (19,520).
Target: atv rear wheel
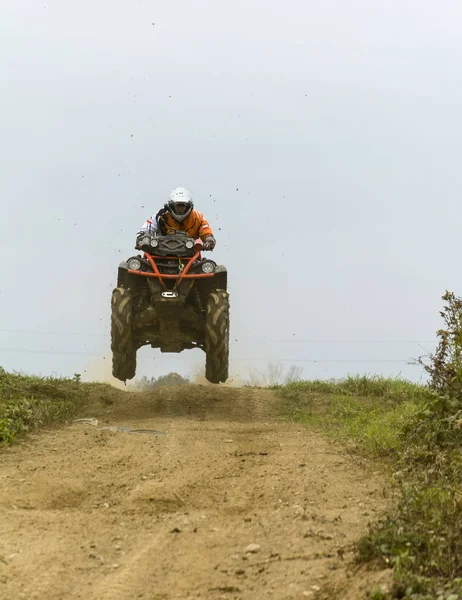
(123,351)
(217,337)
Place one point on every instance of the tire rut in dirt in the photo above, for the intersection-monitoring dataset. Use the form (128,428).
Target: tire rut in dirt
(217,337)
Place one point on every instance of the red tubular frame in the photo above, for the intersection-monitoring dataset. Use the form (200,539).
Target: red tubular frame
(183,275)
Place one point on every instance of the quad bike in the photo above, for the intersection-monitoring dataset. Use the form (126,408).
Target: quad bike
(173,299)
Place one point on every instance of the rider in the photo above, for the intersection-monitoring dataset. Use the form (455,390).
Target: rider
(179,215)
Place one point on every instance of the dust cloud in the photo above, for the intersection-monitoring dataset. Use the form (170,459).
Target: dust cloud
(100,370)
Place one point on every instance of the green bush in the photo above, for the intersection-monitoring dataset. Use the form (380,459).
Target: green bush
(29,402)
(145,384)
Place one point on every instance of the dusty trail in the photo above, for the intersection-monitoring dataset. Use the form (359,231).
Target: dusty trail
(99,514)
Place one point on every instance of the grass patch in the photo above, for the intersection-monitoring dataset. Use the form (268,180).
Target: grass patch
(369,412)
(420,433)
(392,390)
(30,402)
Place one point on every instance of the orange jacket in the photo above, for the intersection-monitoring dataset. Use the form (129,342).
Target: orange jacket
(195,224)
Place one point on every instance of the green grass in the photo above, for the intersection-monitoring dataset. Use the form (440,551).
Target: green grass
(369,412)
(30,402)
(393,390)
(420,536)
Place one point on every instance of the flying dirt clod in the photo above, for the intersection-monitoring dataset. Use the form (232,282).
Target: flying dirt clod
(173,299)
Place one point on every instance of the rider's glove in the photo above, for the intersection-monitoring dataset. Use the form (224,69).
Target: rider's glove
(209,243)
(139,238)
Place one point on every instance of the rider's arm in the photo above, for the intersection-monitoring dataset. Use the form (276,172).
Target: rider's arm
(205,232)
(149,226)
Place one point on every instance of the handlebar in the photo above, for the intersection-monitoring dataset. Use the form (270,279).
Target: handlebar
(144,242)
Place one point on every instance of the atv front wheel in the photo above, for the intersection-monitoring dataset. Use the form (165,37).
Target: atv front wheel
(217,337)
(123,351)
(124,365)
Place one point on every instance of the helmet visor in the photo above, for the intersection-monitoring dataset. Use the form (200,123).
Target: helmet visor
(180,207)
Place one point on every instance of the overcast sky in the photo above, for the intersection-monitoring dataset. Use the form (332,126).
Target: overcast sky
(322,140)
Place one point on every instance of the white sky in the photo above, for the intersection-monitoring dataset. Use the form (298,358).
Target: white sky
(321,139)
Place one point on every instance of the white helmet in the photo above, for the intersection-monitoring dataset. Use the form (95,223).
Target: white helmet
(180,204)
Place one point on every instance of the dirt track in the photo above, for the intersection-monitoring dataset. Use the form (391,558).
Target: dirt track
(101,514)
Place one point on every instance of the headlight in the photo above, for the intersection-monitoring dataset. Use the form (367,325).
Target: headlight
(208,267)
(134,264)
(154,243)
(145,241)
(189,244)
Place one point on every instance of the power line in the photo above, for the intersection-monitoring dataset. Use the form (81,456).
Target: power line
(240,359)
(295,341)
(32,351)
(266,341)
(54,332)
(329,360)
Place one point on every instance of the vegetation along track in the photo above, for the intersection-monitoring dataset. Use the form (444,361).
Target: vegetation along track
(231,502)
